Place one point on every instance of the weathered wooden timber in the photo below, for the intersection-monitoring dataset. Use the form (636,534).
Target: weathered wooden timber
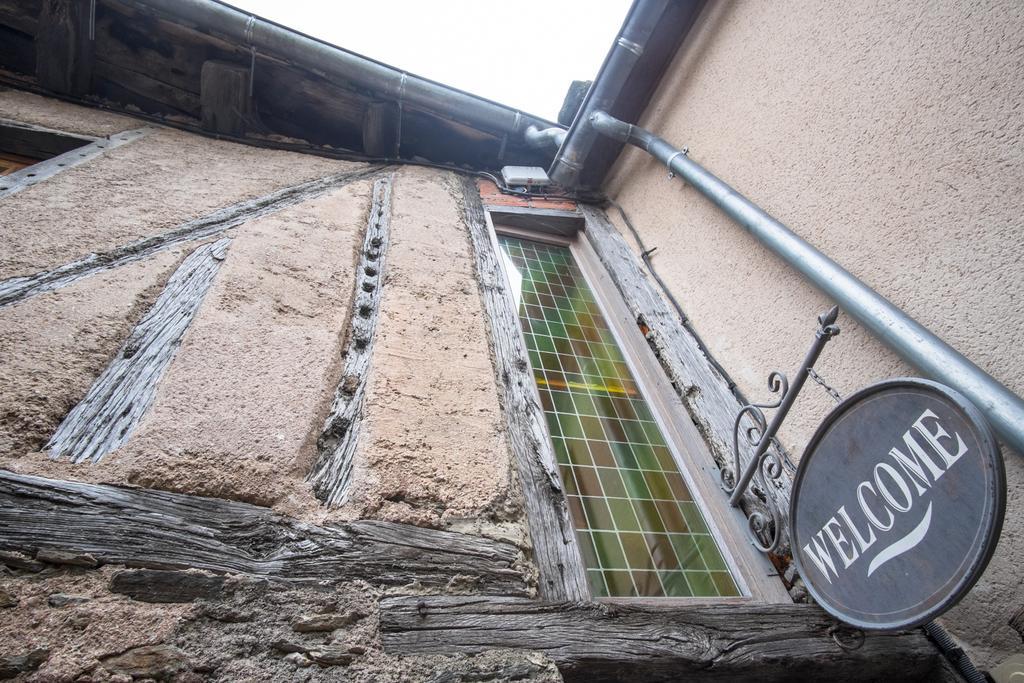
(121,395)
(16,289)
(617,642)
(36,173)
(382,129)
(551,221)
(160,530)
(124,80)
(336,446)
(21,15)
(64,47)
(562,573)
(226,98)
(702,389)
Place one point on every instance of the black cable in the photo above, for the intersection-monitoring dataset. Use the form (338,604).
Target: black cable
(954,653)
(645,256)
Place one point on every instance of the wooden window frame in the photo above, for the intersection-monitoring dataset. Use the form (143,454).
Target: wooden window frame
(12,163)
(755,576)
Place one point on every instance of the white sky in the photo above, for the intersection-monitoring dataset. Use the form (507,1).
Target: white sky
(520,54)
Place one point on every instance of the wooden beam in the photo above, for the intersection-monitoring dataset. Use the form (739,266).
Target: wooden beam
(126,83)
(17,58)
(617,642)
(37,173)
(20,15)
(702,389)
(555,550)
(64,47)
(17,289)
(551,221)
(382,130)
(302,105)
(130,34)
(336,446)
(224,93)
(160,530)
(119,398)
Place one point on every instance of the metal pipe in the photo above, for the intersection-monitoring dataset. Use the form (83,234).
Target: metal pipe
(616,70)
(546,138)
(348,68)
(908,338)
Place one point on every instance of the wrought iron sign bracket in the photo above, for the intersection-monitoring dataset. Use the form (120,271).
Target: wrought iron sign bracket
(762,434)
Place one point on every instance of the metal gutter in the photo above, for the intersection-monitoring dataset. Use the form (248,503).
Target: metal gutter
(894,328)
(354,70)
(647,42)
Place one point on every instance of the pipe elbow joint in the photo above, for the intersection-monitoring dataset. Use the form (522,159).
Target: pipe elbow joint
(547,138)
(608,125)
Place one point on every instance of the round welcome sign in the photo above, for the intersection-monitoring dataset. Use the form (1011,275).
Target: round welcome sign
(897,504)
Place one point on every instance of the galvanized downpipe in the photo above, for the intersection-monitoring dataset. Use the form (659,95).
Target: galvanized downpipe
(908,338)
(626,51)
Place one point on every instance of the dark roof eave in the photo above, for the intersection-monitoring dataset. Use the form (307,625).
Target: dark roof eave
(149,58)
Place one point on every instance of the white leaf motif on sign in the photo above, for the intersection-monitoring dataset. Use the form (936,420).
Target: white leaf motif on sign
(904,544)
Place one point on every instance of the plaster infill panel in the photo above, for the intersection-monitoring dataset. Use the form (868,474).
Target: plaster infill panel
(433,451)
(137,190)
(52,348)
(238,410)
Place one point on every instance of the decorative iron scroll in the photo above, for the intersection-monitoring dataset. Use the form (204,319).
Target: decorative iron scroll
(767,523)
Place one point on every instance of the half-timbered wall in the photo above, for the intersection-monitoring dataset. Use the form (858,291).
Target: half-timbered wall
(267,416)
(176,314)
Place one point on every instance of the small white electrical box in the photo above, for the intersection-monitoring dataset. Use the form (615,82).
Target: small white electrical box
(525,176)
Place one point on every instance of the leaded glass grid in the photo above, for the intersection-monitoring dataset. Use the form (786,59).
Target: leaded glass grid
(639,529)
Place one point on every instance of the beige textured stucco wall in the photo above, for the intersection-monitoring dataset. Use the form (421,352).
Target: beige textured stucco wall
(890,136)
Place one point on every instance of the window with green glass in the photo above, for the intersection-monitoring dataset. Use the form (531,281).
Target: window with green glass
(639,529)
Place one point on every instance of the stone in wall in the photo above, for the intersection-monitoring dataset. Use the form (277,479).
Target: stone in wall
(257,631)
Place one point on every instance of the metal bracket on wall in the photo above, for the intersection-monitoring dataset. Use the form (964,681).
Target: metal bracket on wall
(761,435)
